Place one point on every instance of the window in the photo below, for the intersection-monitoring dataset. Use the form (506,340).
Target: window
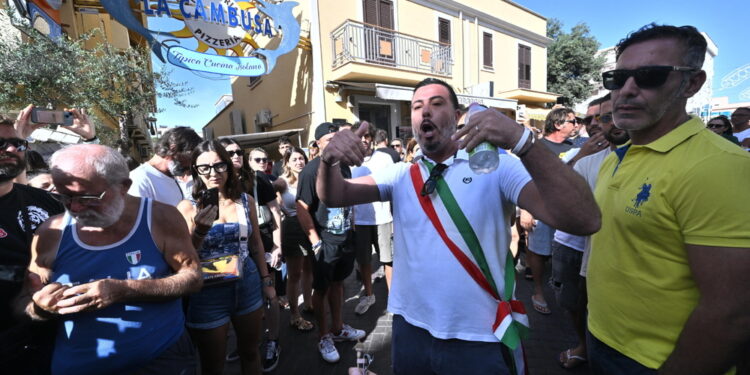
(524,67)
(444,31)
(253,82)
(487,47)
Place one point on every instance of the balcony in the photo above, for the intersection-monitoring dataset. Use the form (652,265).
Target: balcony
(372,45)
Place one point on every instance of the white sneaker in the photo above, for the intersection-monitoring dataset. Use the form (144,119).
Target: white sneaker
(327,349)
(364,304)
(349,334)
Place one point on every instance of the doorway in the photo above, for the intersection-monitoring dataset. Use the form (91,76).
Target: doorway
(378,115)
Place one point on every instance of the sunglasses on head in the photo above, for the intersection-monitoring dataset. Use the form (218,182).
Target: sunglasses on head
(647,77)
(18,143)
(260,160)
(234,153)
(205,169)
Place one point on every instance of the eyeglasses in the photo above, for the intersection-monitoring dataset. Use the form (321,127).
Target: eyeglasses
(84,200)
(431,183)
(18,143)
(716,126)
(647,77)
(205,169)
(234,153)
(261,160)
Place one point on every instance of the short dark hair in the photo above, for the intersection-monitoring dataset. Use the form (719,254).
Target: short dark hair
(692,40)
(435,81)
(232,187)
(284,140)
(177,140)
(380,136)
(601,100)
(555,117)
(370,129)
(744,109)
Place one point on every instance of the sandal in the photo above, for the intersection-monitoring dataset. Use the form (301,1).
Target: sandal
(569,361)
(540,307)
(301,324)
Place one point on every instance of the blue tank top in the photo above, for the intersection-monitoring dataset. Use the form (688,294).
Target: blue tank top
(120,337)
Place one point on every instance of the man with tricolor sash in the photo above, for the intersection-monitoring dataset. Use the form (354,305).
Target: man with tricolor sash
(453,278)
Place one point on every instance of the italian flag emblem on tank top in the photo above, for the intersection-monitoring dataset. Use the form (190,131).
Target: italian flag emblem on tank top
(133,257)
(511,324)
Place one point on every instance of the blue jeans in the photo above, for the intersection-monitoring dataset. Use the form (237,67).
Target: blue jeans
(604,360)
(414,351)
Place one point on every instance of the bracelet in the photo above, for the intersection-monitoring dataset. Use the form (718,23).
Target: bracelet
(521,141)
(337,162)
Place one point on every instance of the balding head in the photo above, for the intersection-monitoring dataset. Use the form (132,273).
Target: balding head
(90,161)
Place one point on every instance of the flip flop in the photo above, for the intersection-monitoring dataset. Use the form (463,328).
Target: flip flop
(301,324)
(540,307)
(569,361)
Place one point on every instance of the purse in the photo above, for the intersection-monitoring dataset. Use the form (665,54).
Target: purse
(228,267)
(265,217)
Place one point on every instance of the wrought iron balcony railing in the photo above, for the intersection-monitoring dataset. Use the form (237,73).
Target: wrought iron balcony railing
(369,44)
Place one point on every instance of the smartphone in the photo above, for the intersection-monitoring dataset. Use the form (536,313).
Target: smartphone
(49,116)
(210,197)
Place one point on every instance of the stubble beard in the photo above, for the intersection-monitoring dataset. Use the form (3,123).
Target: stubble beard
(110,215)
(10,171)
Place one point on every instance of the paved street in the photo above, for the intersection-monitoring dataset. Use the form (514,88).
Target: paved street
(550,335)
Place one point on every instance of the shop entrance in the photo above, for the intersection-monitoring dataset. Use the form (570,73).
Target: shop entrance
(378,115)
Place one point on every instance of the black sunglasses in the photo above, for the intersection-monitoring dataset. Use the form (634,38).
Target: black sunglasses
(261,160)
(205,169)
(234,153)
(606,118)
(18,143)
(647,77)
(84,200)
(716,126)
(431,183)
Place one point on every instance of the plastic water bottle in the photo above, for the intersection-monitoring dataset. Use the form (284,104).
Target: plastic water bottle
(483,158)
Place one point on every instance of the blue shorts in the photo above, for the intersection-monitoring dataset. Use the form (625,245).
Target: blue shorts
(540,239)
(213,306)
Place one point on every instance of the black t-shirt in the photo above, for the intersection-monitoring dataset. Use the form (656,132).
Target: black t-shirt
(278,168)
(265,189)
(22,211)
(394,154)
(557,148)
(332,220)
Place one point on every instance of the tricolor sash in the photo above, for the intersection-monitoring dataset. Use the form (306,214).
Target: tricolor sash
(511,323)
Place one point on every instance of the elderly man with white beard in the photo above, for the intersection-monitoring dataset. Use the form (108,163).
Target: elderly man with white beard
(111,271)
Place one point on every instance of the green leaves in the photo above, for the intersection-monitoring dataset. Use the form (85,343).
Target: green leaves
(65,74)
(573,67)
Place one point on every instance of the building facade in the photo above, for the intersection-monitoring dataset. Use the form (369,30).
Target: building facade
(366,55)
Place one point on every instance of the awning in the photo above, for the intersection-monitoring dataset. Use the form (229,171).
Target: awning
(529,97)
(391,92)
(261,139)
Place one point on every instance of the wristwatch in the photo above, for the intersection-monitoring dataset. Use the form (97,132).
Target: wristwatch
(267,281)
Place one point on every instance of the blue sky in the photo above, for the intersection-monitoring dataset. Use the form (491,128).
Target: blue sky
(725,21)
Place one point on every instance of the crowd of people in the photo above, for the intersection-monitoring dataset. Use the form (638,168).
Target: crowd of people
(105,269)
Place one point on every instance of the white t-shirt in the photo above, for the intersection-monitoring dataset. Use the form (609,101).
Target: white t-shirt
(375,213)
(588,167)
(430,288)
(741,136)
(149,182)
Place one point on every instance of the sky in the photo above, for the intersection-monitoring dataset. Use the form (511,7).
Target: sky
(725,22)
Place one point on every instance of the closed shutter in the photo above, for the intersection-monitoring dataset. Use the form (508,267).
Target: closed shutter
(370,8)
(385,13)
(487,47)
(524,67)
(444,31)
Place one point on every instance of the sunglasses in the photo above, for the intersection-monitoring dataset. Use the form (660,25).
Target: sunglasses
(605,118)
(395,145)
(647,77)
(84,200)
(18,143)
(205,169)
(573,121)
(234,153)
(261,160)
(431,183)
(716,126)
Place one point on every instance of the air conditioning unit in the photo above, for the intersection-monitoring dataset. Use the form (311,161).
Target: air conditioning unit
(263,119)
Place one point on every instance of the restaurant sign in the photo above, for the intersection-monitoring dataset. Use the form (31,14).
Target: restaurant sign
(233,29)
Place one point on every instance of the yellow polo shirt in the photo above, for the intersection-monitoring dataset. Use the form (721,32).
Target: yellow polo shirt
(684,188)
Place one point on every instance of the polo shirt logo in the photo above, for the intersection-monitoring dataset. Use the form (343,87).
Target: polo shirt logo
(467,180)
(640,199)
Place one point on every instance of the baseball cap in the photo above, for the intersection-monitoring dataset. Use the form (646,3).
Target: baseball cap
(324,129)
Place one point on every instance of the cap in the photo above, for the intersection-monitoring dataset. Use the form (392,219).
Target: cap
(324,129)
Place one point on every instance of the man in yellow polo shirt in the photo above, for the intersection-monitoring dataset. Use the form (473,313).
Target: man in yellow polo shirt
(670,268)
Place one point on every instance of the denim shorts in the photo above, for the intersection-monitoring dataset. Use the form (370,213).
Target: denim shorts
(540,239)
(566,266)
(214,305)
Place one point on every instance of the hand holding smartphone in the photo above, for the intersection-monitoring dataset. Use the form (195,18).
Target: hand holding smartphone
(209,197)
(48,116)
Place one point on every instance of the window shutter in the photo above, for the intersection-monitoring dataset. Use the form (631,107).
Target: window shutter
(386,14)
(487,46)
(370,8)
(444,31)
(524,67)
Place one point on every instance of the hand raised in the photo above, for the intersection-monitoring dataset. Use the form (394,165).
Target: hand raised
(594,144)
(489,126)
(346,147)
